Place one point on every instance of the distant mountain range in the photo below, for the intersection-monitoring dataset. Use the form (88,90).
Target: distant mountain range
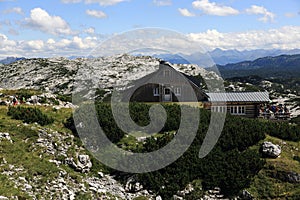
(9,60)
(218,56)
(222,57)
(283,66)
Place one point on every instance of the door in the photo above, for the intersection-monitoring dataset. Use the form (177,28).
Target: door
(167,94)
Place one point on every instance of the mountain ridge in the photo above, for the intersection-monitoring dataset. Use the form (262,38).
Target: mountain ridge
(282,66)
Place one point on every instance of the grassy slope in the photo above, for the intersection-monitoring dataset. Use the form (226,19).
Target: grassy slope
(265,186)
(20,154)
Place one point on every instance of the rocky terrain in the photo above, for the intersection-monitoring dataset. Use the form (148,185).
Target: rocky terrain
(50,162)
(57,75)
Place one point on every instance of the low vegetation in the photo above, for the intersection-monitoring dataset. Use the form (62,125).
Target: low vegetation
(29,115)
(233,165)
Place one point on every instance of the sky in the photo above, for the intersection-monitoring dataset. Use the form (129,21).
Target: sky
(51,28)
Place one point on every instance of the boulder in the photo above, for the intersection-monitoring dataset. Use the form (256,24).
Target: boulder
(83,163)
(158,198)
(271,150)
(132,185)
(5,136)
(293,177)
(246,195)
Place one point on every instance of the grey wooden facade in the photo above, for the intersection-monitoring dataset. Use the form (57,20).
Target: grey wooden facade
(165,85)
(168,85)
(244,104)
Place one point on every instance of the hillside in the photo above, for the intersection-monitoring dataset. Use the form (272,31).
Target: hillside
(56,75)
(50,161)
(284,66)
(42,157)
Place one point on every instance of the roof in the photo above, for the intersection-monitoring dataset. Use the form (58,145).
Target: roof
(239,97)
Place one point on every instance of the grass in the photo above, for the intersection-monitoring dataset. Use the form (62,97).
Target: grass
(24,154)
(265,186)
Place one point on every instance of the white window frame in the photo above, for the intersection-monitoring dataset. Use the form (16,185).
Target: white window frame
(220,109)
(237,110)
(167,73)
(177,91)
(156,91)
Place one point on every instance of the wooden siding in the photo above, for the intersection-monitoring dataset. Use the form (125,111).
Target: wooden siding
(165,77)
(250,109)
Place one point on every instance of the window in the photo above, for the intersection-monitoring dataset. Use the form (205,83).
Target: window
(167,91)
(167,73)
(156,91)
(221,109)
(237,110)
(177,91)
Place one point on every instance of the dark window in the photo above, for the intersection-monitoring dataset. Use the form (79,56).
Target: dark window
(156,91)
(167,91)
(167,73)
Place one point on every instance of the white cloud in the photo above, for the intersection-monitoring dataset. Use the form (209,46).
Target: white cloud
(286,37)
(212,8)
(162,2)
(12,31)
(105,2)
(90,30)
(5,42)
(96,13)
(39,19)
(16,10)
(35,44)
(100,2)
(49,48)
(259,10)
(185,12)
(70,1)
(290,15)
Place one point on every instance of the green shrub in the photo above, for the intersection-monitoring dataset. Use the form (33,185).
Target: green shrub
(29,115)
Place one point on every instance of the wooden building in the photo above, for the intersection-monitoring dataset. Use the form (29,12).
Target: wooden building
(165,85)
(168,85)
(245,104)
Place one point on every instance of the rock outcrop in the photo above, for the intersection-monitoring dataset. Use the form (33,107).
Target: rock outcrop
(5,136)
(271,150)
(82,165)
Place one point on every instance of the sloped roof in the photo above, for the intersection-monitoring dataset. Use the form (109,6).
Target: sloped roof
(239,97)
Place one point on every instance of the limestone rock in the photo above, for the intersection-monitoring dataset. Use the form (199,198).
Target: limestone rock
(246,195)
(271,150)
(132,185)
(5,136)
(83,163)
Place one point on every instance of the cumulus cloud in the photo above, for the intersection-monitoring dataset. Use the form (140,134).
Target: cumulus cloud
(40,20)
(70,1)
(96,13)
(162,2)
(290,15)
(185,12)
(212,8)
(90,30)
(12,31)
(259,10)
(5,42)
(100,2)
(34,44)
(286,37)
(16,10)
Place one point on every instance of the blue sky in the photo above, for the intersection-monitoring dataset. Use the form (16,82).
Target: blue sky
(35,28)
